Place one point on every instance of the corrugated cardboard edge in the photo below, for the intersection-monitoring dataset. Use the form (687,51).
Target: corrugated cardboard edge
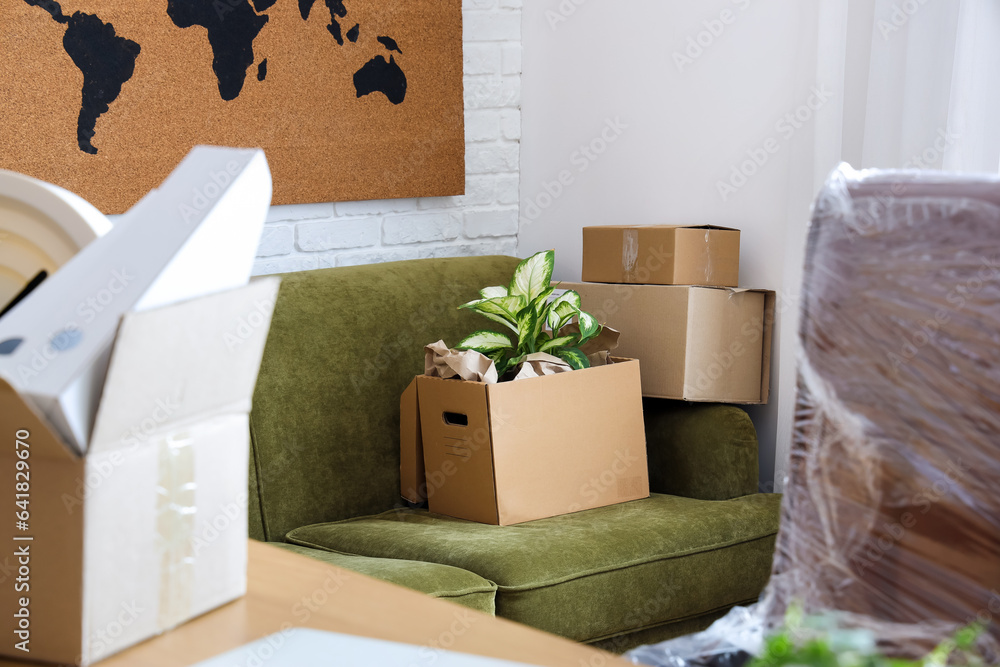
(56,578)
(770,301)
(412,476)
(720,227)
(472,509)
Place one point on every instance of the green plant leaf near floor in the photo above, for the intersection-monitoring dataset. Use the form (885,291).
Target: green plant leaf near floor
(526,308)
(818,641)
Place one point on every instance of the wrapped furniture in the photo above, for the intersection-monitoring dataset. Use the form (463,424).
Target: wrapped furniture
(891,510)
(891,516)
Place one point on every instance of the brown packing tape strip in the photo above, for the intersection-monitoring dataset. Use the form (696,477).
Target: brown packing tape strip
(175,524)
(630,253)
(709,267)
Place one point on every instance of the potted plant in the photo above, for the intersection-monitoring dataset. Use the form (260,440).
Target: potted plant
(539,324)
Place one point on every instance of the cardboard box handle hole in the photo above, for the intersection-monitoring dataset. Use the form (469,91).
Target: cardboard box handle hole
(455,419)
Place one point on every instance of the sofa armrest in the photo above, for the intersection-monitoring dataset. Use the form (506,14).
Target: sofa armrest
(700,450)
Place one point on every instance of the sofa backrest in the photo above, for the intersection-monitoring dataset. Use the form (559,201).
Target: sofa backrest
(344,343)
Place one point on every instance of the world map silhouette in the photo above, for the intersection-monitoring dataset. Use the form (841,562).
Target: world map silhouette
(108,60)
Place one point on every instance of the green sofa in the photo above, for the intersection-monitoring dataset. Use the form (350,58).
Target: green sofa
(324,474)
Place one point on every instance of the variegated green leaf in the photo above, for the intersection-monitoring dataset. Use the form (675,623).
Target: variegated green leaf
(541,301)
(485,342)
(493,292)
(560,314)
(499,320)
(533,275)
(508,363)
(574,357)
(557,342)
(527,329)
(569,296)
(504,306)
(589,326)
(471,304)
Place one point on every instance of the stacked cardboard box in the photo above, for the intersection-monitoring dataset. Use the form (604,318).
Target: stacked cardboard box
(672,291)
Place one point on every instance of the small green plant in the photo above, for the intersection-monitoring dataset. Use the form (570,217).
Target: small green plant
(539,324)
(818,641)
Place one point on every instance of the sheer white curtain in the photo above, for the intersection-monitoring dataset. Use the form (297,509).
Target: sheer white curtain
(920,82)
(916,84)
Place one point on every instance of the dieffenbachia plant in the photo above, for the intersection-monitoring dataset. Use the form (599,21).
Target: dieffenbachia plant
(538,321)
(818,641)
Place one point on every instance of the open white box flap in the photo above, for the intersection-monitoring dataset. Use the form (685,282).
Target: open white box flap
(180,363)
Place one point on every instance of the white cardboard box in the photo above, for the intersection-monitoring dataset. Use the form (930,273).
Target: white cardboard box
(196,234)
(149,528)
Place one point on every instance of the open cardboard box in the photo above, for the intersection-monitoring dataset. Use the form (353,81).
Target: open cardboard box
(695,343)
(662,255)
(518,451)
(148,528)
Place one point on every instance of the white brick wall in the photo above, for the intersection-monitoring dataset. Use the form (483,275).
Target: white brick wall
(482,222)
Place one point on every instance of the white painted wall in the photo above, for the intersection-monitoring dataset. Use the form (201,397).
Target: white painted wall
(482,222)
(642,123)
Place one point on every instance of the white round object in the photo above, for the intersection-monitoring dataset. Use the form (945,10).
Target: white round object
(41,227)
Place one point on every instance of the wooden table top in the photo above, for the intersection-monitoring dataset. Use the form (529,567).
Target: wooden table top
(289,590)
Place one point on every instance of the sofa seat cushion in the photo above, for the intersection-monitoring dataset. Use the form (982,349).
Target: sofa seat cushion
(440,581)
(592,574)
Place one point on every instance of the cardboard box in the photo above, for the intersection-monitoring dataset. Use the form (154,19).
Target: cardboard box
(149,528)
(694,343)
(519,451)
(412,478)
(662,255)
(196,234)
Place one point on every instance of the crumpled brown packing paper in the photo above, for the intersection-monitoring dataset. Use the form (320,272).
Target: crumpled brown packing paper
(446,363)
(598,350)
(443,362)
(539,364)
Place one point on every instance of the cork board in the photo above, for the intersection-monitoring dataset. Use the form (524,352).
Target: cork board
(350,99)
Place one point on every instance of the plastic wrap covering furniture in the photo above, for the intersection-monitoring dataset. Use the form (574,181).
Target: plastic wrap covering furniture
(891,512)
(730,642)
